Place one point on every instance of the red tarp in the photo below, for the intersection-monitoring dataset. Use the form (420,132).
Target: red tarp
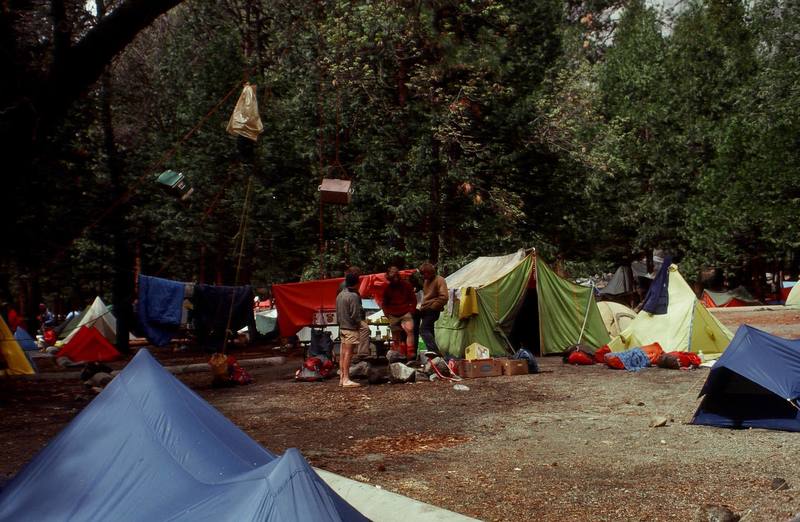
(297,302)
(89,345)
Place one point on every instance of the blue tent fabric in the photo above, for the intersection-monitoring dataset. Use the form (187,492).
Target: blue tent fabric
(25,340)
(657,299)
(149,448)
(755,384)
(159,308)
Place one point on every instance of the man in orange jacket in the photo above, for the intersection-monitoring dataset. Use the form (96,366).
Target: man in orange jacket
(399,303)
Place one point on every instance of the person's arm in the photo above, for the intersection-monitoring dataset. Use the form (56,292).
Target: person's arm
(354,308)
(440,299)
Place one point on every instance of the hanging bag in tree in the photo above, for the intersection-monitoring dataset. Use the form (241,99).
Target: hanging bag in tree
(245,120)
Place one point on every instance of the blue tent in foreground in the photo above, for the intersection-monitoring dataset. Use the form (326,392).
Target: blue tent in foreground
(149,448)
(755,384)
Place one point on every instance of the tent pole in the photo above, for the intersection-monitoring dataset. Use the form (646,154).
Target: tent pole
(586,314)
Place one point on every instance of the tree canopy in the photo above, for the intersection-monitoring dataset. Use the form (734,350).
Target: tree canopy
(593,131)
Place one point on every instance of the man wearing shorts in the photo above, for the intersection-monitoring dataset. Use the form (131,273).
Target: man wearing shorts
(350,314)
(399,303)
(434,298)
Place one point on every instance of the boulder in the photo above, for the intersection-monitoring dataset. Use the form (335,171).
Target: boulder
(394,356)
(359,370)
(399,372)
(100,379)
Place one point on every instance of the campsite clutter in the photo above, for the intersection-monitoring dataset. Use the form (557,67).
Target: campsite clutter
(671,317)
(311,305)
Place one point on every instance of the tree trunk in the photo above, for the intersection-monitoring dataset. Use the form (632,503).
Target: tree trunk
(122,285)
(435,222)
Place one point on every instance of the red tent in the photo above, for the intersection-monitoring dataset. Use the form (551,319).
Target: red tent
(298,302)
(89,345)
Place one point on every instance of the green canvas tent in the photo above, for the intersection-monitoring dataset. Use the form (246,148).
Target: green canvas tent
(568,313)
(686,326)
(492,296)
(491,290)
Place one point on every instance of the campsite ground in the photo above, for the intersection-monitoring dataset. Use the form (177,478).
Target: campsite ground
(571,443)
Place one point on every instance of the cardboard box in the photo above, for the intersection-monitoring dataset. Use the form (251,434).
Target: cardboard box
(480,368)
(515,367)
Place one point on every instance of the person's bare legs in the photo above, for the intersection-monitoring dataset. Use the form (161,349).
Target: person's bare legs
(344,366)
(411,350)
(397,341)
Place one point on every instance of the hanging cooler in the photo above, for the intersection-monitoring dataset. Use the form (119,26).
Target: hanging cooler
(336,191)
(176,183)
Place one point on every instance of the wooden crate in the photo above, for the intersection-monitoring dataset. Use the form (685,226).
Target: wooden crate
(480,368)
(515,367)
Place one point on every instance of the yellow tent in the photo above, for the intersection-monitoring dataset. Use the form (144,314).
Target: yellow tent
(617,317)
(687,325)
(15,361)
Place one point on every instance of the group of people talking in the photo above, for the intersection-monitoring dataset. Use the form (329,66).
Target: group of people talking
(400,307)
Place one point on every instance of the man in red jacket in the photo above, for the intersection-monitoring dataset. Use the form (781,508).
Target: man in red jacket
(399,302)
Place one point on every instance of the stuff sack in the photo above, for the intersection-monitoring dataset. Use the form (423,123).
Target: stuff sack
(679,360)
(580,358)
(238,374)
(600,354)
(245,120)
(219,369)
(525,355)
(577,348)
(315,369)
(653,352)
(306,375)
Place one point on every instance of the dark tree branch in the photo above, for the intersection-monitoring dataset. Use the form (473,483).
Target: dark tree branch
(81,66)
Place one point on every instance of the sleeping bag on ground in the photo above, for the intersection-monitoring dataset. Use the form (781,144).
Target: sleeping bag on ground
(631,360)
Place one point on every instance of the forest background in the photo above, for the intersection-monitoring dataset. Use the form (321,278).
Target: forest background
(594,131)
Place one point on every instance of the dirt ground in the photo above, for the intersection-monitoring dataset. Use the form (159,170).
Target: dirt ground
(571,443)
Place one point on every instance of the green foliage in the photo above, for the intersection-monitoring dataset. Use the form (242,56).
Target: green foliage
(588,130)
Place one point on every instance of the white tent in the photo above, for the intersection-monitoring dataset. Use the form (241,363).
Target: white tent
(98,316)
